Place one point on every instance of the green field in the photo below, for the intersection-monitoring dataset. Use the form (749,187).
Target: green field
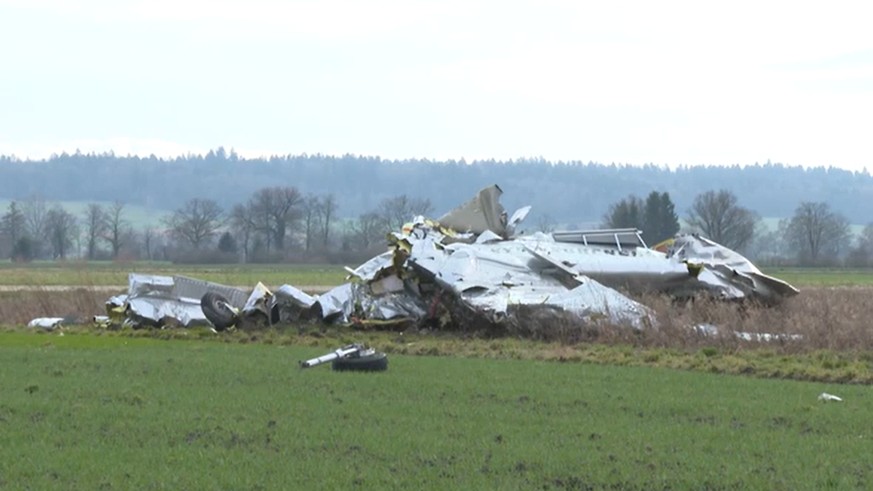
(823,276)
(106,273)
(89,412)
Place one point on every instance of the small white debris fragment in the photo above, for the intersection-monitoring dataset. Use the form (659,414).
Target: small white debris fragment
(825,397)
(47,323)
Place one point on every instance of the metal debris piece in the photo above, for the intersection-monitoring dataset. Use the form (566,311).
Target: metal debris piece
(825,397)
(46,323)
(159,301)
(354,357)
(727,272)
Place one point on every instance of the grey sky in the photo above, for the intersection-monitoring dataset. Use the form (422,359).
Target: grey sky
(626,82)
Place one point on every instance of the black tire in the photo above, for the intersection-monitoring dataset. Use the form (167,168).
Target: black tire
(377,362)
(217,310)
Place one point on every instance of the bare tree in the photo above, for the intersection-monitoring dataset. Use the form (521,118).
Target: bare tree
(328,210)
(196,222)
(545,223)
(35,211)
(95,224)
(278,209)
(398,210)
(117,228)
(817,234)
(311,220)
(149,239)
(717,216)
(862,253)
(243,224)
(62,229)
(366,231)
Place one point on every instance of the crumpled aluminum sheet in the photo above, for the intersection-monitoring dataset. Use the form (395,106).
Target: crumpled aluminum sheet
(727,272)
(46,323)
(159,311)
(290,293)
(159,300)
(493,277)
(337,302)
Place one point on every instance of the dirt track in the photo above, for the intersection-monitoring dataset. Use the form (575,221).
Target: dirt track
(315,289)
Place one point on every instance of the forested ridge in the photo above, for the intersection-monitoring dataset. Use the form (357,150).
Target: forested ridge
(567,192)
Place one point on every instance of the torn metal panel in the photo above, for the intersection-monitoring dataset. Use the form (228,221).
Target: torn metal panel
(354,302)
(292,294)
(337,302)
(159,311)
(47,323)
(728,272)
(495,277)
(370,269)
(159,300)
(483,212)
(691,264)
(388,307)
(636,269)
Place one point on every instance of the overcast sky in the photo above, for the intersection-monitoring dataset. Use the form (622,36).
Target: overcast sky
(626,82)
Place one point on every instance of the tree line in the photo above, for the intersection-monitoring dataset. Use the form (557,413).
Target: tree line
(275,224)
(814,235)
(569,193)
(281,223)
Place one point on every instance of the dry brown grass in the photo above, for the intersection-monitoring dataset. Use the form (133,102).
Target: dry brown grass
(836,344)
(819,318)
(827,318)
(78,305)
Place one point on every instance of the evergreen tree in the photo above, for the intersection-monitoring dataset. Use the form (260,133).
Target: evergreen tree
(655,217)
(661,221)
(627,213)
(24,250)
(12,225)
(227,244)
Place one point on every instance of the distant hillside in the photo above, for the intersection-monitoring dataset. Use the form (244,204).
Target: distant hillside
(566,192)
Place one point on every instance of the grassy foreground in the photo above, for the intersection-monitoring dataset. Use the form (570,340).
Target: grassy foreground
(105,412)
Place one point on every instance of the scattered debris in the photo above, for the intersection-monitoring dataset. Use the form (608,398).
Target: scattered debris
(761,337)
(159,301)
(354,357)
(825,397)
(470,270)
(47,323)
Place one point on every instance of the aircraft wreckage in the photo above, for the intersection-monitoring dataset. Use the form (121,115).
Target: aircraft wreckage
(469,268)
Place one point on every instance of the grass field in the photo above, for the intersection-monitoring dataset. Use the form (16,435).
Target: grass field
(823,276)
(104,273)
(666,409)
(108,412)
